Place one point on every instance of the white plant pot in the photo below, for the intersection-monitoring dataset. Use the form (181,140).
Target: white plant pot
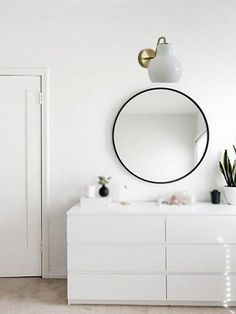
(230,194)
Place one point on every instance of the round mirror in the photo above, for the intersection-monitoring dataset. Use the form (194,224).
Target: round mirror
(160,135)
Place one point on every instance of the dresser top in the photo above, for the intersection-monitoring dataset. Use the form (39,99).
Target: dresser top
(151,208)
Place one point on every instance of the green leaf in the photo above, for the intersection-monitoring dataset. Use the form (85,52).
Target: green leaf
(223,171)
(230,171)
(103,180)
(226,167)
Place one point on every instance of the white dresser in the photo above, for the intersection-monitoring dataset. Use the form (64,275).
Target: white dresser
(145,254)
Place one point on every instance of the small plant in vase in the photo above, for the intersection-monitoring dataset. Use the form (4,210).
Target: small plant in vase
(228,169)
(103,191)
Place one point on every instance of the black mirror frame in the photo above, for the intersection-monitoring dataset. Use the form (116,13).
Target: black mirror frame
(144,91)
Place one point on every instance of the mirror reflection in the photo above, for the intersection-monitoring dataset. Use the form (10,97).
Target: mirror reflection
(160,135)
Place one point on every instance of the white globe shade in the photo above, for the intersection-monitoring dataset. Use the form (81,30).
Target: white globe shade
(164,67)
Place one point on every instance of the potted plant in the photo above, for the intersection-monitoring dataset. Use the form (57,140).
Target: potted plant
(228,169)
(103,191)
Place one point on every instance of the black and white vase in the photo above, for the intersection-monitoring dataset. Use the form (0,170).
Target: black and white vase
(103,191)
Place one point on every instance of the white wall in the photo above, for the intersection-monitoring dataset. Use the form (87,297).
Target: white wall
(91,50)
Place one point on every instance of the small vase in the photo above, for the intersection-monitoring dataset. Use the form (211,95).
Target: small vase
(230,194)
(215,197)
(103,191)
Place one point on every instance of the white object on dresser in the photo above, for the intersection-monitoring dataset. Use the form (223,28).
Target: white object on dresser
(145,254)
(90,191)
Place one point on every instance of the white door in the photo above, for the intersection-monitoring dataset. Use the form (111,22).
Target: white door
(20,176)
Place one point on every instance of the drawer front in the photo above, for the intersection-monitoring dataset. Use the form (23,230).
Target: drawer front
(202,229)
(116,229)
(104,258)
(201,288)
(116,287)
(201,258)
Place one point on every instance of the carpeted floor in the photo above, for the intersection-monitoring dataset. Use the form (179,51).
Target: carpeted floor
(48,296)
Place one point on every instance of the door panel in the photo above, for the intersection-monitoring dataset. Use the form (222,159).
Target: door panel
(20,176)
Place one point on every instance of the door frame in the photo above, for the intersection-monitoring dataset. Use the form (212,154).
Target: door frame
(43,74)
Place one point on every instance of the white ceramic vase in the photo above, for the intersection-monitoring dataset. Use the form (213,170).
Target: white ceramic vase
(230,194)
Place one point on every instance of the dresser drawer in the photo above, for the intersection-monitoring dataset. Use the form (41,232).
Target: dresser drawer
(203,229)
(201,258)
(116,287)
(116,258)
(201,287)
(115,229)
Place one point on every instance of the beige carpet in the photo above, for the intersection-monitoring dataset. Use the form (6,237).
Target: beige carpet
(48,296)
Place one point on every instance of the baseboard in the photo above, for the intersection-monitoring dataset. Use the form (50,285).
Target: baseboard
(56,275)
(150,302)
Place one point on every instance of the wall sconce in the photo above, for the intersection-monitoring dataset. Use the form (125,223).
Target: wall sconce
(162,66)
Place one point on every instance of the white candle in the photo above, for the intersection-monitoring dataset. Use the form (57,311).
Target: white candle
(90,191)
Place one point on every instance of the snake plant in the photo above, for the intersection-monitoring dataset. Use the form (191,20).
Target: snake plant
(228,168)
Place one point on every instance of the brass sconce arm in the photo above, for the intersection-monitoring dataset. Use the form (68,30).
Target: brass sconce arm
(147,54)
